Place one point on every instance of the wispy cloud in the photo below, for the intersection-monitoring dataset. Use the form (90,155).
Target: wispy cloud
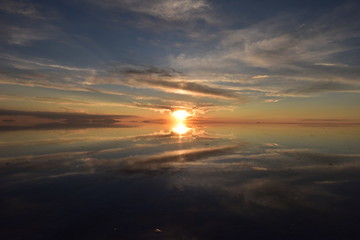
(21,8)
(331,64)
(289,42)
(177,91)
(260,76)
(330,86)
(21,35)
(36,63)
(56,100)
(22,31)
(272,100)
(172,81)
(177,10)
(286,50)
(285,56)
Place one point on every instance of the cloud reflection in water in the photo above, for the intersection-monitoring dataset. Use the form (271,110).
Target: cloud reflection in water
(281,179)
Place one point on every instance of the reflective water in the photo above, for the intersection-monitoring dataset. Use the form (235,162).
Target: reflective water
(181,182)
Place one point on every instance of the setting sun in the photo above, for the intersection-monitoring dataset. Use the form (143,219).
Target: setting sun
(181,115)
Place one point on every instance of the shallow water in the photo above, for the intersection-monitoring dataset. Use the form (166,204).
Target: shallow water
(212,182)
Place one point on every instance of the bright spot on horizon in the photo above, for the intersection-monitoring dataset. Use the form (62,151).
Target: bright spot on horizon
(181,115)
(180,128)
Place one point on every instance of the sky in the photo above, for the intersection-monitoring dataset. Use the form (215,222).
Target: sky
(228,60)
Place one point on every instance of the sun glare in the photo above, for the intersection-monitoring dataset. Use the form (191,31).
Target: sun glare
(180,128)
(181,115)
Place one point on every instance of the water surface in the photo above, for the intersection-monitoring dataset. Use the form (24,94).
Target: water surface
(210,182)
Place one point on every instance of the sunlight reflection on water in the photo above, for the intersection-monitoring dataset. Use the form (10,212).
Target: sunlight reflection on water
(273,179)
(181,129)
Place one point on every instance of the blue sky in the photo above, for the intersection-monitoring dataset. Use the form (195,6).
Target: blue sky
(230,59)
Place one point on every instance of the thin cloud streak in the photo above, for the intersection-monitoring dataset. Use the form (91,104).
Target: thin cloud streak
(285,48)
(46,74)
(320,87)
(176,10)
(168,81)
(210,60)
(21,8)
(15,35)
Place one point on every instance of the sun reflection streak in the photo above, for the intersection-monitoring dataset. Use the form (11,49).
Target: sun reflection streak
(181,128)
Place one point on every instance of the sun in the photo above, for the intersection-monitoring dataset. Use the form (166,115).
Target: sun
(181,115)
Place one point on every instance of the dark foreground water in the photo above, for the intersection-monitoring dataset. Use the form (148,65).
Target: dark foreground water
(222,182)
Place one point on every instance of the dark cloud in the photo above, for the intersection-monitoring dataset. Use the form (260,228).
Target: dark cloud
(60,120)
(61,115)
(161,72)
(324,120)
(156,107)
(320,87)
(105,123)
